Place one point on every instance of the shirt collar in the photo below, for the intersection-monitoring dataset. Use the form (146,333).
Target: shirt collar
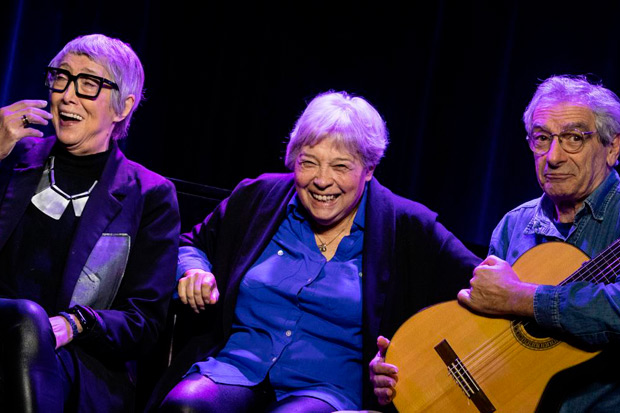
(595,204)
(295,209)
(598,201)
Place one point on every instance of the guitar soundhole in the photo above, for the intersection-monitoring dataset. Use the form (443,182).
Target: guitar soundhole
(535,330)
(532,336)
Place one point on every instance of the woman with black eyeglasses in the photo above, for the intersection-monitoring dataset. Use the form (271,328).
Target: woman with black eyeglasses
(88,239)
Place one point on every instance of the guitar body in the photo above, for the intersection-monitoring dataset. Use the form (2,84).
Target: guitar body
(511,367)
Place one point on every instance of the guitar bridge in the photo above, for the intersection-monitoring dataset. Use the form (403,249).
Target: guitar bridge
(463,378)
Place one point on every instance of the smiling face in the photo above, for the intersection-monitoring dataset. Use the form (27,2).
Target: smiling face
(329,181)
(84,126)
(568,178)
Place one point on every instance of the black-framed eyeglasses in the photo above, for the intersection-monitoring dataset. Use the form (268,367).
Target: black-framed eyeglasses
(570,141)
(86,85)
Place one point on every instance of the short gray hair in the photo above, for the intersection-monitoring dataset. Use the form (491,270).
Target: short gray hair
(580,91)
(120,61)
(350,120)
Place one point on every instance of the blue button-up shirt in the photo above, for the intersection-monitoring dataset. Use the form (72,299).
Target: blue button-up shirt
(298,316)
(589,312)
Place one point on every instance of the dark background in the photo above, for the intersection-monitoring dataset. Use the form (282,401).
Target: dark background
(225,83)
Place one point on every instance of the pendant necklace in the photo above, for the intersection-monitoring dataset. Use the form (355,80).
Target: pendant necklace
(323,245)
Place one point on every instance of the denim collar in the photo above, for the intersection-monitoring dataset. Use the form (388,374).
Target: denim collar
(599,200)
(595,205)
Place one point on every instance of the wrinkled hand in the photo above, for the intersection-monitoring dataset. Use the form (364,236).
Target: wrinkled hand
(12,126)
(383,375)
(62,330)
(198,288)
(496,289)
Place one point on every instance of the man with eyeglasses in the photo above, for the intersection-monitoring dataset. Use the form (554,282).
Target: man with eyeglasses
(573,130)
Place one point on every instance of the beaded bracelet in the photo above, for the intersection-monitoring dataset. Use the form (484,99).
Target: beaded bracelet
(71,321)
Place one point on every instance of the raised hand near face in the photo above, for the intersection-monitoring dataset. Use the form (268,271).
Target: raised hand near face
(17,120)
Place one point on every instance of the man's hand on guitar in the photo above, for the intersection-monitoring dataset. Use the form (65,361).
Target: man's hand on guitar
(496,289)
(383,375)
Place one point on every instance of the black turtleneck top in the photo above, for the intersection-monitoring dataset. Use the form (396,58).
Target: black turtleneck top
(33,260)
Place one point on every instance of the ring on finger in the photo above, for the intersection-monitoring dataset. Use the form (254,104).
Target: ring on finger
(25,121)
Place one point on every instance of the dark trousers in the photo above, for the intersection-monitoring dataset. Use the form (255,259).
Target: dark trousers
(33,378)
(199,394)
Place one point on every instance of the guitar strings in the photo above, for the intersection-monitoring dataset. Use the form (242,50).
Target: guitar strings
(490,359)
(600,268)
(600,272)
(495,359)
(487,355)
(485,360)
(597,270)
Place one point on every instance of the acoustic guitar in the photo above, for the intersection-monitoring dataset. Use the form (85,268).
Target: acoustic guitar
(452,360)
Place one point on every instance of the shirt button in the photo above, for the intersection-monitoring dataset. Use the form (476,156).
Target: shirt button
(274,359)
(360,274)
(309,280)
(288,333)
(280,252)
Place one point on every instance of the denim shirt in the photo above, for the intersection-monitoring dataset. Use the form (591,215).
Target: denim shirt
(588,312)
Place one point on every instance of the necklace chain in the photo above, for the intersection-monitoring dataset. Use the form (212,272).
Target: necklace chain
(323,245)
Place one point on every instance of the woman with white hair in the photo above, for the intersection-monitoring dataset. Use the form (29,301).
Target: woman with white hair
(88,239)
(303,271)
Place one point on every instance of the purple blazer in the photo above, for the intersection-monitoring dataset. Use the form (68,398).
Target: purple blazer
(410,261)
(128,236)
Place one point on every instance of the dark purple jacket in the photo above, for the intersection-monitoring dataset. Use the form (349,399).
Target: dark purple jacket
(410,261)
(131,215)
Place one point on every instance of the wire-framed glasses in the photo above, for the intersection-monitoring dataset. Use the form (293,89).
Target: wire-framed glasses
(571,141)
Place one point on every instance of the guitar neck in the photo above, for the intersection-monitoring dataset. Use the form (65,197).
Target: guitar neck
(604,268)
